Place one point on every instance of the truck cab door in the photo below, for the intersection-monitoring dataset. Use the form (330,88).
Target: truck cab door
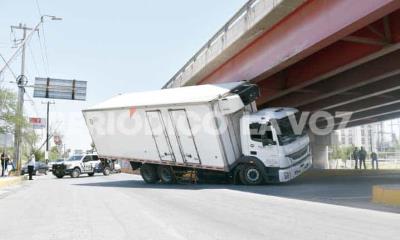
(263,144)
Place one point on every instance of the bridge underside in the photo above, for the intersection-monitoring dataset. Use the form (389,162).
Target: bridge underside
(335,56)
(359,74)
(327,55)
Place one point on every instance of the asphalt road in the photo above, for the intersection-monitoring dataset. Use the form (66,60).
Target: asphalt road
(123,207)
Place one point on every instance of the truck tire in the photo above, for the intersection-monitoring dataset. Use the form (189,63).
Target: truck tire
(149,173)
(59,175)
(106,171)
(251,175)
(166,174)
(75,173)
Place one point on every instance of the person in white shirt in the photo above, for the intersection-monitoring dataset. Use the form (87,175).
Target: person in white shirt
(31,166)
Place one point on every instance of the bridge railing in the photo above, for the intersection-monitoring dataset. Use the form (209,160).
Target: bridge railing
(243,20)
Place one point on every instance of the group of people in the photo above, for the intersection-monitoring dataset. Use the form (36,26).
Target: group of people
(5,159)
(359,156)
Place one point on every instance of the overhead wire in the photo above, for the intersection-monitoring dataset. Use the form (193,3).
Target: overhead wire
(34,60)
(9,68)
(45,50)
(38,8)
(43,47)
(42,55)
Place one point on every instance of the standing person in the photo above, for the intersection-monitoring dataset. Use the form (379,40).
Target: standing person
(31,166)
(374,159)
(4,163)
(362,155)
(356,156)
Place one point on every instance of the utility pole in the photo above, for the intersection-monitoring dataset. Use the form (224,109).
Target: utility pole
(21,82)
(46,153)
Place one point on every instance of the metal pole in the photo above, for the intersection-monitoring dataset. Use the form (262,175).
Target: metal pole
(46,152)
(47,131)
(20,104)
(370,138)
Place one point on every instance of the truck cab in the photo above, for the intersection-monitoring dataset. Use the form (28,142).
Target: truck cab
(268,137)
(81,164)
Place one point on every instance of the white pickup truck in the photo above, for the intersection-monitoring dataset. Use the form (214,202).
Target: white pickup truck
(81,164)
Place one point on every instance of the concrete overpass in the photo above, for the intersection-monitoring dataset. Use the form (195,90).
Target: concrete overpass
(341,55)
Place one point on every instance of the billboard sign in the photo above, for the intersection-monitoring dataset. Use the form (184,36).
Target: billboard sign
(37,123)
(60,89)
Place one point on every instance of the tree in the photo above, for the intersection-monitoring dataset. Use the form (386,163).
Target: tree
(30,140)
(8,112)
(54,153)
(341,152)
(9,119)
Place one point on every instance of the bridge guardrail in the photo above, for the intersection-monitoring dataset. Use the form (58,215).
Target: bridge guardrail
(247,17)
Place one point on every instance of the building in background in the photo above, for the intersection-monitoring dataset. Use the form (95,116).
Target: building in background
(6,140)
(380,136)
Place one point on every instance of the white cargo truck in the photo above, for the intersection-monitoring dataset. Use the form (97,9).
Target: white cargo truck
(206,129)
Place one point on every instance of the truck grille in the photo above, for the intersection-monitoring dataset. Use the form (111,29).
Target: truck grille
(58,167)
(298,154)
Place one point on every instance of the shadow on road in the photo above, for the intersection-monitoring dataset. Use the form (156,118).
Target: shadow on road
(352,191)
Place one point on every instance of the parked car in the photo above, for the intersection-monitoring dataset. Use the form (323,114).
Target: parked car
(40,167)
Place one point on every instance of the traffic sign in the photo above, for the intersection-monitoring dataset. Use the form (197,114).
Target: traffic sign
(60,89)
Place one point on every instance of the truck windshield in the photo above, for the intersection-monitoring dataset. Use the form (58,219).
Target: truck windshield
(75,158)
(287,134)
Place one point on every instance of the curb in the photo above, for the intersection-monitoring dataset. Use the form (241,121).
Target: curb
(348,172)
(386,194)
(9,181)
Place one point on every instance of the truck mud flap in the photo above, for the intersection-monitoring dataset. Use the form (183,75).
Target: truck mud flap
(135,165)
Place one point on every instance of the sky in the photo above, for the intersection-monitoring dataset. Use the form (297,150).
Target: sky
(117,46)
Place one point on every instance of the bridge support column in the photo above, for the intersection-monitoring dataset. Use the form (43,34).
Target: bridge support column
(319,150)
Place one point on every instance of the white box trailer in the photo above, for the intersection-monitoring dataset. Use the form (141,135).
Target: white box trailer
(209,128)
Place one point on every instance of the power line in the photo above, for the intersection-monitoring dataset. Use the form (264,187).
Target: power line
(45,50)
(38,8)
(9,68)
(34,60)
(46,63)
(42,55)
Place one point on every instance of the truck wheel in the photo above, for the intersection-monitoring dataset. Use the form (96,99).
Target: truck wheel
(166,174)
(251,175)
(149,173)
(106,171)
(60,175)
(91,174)
(75,173)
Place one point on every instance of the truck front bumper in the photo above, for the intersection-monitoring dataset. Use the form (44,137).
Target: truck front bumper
(296,170)
(61,170)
